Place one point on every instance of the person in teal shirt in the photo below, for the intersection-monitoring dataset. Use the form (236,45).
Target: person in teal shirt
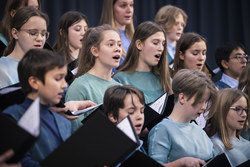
(145,65)
(101,52)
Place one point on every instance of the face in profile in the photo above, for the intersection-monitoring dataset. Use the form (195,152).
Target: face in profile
(236,63)
(123,13)
(52,90)
(135,110)
(195,56)
(174,34)
(76,33)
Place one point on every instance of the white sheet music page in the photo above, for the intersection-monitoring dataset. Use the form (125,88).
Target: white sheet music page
(126,127)
(30,121)
(159,103)
(85,110)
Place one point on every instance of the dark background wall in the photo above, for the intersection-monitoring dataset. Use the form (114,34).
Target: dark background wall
(217,20)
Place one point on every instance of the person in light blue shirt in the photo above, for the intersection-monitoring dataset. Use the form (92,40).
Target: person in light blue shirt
(145,65)
(232,59)
(176,137)
(29,30)
(101,52)
(244,86)
(230,116)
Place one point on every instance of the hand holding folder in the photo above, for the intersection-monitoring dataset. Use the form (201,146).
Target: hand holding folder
(21,136)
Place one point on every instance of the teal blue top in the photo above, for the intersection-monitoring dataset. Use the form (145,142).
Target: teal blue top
(236,156)
(169,141)
(145,81)
(87,87)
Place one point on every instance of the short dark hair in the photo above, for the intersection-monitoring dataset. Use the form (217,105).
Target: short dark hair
(114,98)
(223,52)
(37,62)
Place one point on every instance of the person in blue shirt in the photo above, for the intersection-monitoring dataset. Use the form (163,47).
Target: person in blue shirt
(176,137)
(119,14)
(145,66)
(231,116)
(41,73)
(231,58)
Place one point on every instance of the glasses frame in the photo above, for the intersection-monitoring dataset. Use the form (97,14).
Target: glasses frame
(241,57)
(34,36)
(240,110)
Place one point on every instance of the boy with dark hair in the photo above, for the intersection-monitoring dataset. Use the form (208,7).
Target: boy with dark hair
(232,59)
(41,73)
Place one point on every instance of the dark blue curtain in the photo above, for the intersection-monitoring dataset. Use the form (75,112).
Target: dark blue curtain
(217,20)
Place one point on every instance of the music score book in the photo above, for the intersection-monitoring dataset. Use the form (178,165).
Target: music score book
(218,161)
(157,110)
(21,135)
(98,142)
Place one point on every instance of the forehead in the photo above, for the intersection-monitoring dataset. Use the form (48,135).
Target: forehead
(132,100)
(110,35)
(35,22)
(200,45)
(238,51)
(81,22)
(124,1)
(241,102)
(158,35)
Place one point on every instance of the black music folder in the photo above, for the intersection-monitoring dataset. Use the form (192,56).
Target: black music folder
(140,159)
(10,95)
(218,161)
(98,142)
(157,110)
(21,135)
(245,164)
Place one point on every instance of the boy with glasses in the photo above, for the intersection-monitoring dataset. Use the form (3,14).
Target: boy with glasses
(232,59)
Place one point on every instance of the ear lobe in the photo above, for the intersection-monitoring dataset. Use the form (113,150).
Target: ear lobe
(111,118)
(14,33)
(181,55)
(94,51)
(34,82)
(224,64)
(138,45)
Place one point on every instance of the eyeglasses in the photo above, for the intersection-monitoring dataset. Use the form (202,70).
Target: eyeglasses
(241,57)
(240,110)
(35,33)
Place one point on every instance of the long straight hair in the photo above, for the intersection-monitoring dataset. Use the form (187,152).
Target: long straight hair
(62,41)
(226,98)
(143,32)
